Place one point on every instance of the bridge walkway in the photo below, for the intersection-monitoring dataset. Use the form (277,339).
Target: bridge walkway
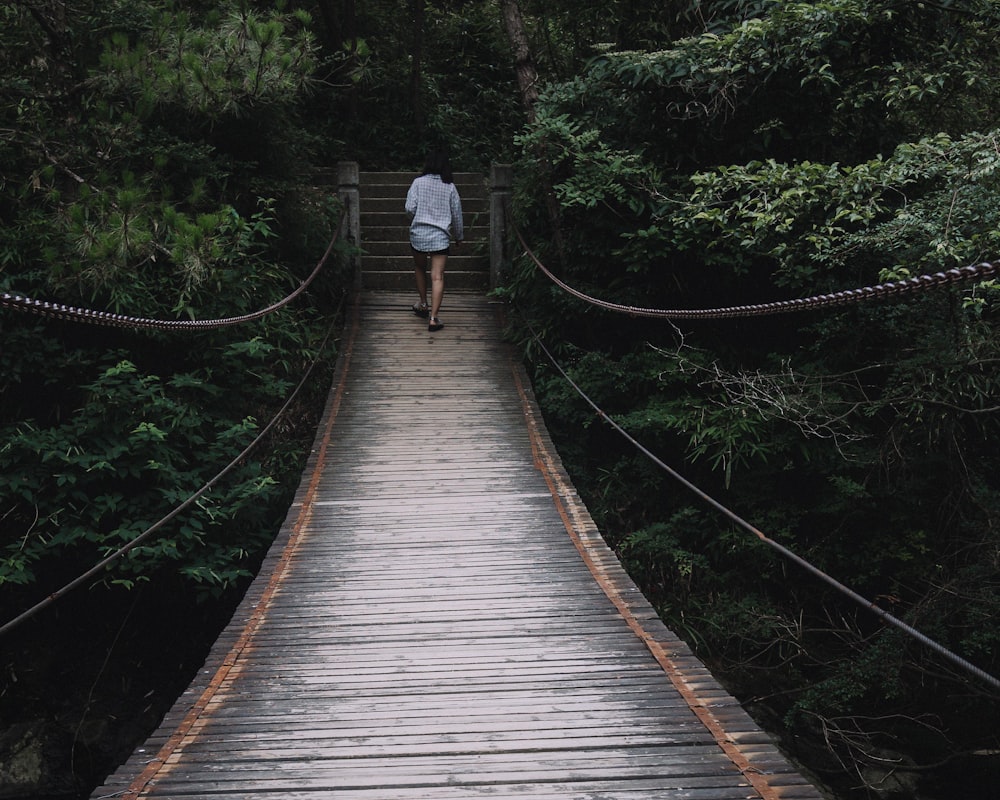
(439,619)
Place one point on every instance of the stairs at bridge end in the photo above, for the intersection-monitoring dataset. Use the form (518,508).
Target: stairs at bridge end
(386,262)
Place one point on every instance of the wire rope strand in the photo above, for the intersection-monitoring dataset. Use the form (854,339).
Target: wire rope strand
(956,659)
(126,548)
(980,271)
(45,308)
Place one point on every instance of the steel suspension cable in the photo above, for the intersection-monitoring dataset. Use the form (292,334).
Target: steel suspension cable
(73,314)
(126,548)
(881,291)
(967,666)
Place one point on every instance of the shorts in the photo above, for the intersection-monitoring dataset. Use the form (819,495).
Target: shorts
(444,252)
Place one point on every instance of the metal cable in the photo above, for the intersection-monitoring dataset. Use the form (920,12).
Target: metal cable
(739,521)
(122,551)
(845,297)
(64,312)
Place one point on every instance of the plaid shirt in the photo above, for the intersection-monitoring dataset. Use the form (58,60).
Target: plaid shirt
(434,207)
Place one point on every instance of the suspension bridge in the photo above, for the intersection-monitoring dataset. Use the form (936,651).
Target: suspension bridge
(439,617)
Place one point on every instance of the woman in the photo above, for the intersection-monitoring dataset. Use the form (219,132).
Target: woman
(436,215)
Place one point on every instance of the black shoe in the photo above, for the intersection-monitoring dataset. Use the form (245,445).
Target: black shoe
(435,324)
(421,310)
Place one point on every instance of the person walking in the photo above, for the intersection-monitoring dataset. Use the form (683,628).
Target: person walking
(435,211)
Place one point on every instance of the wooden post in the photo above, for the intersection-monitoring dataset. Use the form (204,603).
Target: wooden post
(348,178)
(501,183)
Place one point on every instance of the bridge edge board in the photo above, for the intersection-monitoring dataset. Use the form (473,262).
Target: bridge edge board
(757,761)
(141,769)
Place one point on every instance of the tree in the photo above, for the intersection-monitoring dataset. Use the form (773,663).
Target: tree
(524,65)
(416,8)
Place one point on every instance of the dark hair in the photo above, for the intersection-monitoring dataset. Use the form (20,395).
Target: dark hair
(437,164)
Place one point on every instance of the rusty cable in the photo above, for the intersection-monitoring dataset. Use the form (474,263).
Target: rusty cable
(126,548)
(742,523)
(50,310)
(880,291)
(288,550)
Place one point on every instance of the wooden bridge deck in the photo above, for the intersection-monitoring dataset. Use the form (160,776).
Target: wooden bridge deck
(440,619)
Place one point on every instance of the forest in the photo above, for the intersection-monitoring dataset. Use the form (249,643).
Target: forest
(173,160)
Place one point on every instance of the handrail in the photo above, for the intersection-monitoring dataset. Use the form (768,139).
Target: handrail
(789,554)
(124,549)
(921,282)
(935,280)
(73,314)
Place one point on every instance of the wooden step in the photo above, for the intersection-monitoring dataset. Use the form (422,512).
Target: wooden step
(398,230)
(398,219)
(387,262)
(390,205)
(392,246)
(373,179)
(403,281)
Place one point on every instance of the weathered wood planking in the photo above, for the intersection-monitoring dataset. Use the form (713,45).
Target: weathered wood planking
(439,618)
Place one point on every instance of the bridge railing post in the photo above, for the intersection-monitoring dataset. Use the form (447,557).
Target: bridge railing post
(348,179)
(501,187)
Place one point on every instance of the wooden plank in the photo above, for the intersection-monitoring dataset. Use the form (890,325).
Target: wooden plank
(428,623)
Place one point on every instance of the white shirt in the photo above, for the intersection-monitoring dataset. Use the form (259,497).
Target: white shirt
(436,209)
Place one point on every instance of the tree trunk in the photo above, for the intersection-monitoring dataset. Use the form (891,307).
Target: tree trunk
(527,81)
(349,32)
(524,64)
(417,17)
(331,23)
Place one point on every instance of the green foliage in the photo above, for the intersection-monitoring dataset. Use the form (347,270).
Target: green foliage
(127,188)
(223,66)
(803,149)
(138,444)
(669,568)
(755,87)
(422,75)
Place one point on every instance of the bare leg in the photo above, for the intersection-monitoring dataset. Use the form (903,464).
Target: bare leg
(437,282)
(420,274)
